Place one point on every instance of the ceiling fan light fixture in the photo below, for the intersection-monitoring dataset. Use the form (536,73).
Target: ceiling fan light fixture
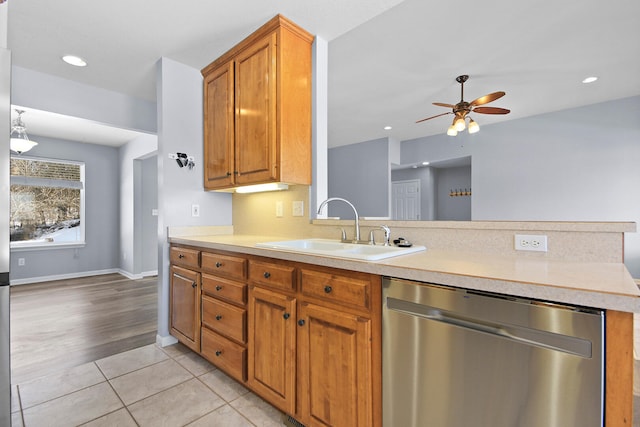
(452,131)
(460,124)
(473,126)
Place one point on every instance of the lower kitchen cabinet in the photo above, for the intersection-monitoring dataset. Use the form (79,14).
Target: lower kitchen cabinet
(272,344)
(185,306)
(334,367)
(305,338)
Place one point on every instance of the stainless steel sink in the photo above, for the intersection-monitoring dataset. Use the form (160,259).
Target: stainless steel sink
(339,249)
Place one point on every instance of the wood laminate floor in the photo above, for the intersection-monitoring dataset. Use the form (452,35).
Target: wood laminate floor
(62,324)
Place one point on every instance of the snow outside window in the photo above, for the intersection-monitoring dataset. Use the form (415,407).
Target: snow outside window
(47,203)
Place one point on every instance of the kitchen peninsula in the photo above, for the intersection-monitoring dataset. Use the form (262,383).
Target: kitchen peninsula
(569,278)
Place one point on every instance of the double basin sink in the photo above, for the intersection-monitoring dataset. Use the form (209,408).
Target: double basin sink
(339,249)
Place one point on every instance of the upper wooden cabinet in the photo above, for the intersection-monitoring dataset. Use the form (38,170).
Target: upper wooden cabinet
(257,109)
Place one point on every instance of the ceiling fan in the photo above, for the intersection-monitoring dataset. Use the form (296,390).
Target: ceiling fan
(463,108)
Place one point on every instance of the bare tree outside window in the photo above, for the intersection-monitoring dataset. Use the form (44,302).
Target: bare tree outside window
(46,201)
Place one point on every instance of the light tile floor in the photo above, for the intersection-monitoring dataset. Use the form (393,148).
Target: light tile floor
(153,386)
(148,386)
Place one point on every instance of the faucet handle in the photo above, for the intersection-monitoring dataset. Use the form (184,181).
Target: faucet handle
(387,235)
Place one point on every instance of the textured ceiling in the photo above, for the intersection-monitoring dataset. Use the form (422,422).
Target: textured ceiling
(388,60)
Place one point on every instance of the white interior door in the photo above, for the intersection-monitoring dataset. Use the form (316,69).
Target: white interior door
(405,200)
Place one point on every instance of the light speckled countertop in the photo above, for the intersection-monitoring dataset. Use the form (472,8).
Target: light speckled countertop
(599,285)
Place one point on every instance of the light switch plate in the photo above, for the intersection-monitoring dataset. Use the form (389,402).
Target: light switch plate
(298,208)
(195,210)
(279,209)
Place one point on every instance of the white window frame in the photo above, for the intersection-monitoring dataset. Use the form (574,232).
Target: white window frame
(25,246)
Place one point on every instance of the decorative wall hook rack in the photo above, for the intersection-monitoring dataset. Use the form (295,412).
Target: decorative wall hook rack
(460,192)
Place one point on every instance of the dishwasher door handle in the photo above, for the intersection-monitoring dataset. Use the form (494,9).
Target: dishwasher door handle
(522,334)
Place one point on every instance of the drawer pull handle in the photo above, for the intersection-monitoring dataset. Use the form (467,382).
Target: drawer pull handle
(266,274)
(301,322)
(219,317)
(218,288)
(218,264)
(328,289)
(286,316)
(181,256)
(218,353)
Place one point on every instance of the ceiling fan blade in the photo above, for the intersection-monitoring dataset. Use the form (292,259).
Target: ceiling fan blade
(490,110)
(433,117)
(440,104)
(486,99)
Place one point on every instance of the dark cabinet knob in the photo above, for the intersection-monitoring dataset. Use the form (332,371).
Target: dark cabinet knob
(193,285)
(328,289)
(266,274)
(286,316)
(218,288)
(218,353)
(219,317)
(228,173)
(301,322)
(218,264)
(180,256)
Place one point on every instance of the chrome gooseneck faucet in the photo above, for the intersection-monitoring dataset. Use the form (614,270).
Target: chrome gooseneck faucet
(357,224)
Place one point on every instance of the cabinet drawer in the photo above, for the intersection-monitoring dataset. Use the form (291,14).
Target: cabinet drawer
(224,265)
(225,354)
(224,318)
(352,290)
(273,275)
(228,290)
(185,257)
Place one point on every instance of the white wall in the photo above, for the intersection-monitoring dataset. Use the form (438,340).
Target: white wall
(180,128)
(360,173)
(130,235)
(57,95)
(573,165)
(148,193)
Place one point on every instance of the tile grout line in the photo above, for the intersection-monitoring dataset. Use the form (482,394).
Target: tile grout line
(126,408)
(20,404)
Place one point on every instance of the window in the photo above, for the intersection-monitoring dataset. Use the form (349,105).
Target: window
(47,203)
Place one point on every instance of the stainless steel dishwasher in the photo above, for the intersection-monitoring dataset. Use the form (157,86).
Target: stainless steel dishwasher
(460,358)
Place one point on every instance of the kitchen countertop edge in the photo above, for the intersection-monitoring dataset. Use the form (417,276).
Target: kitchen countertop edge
(599,285)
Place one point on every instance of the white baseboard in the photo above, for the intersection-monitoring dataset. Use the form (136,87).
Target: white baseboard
(138,276)
(165,341)
(130,276)
(64,276)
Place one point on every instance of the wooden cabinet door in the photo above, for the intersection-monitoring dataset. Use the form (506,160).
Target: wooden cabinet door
(255,91)
(219,134)
(185,306)
(272,346)
(335,368)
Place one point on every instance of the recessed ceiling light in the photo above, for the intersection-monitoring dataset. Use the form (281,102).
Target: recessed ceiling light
(74,60)
(425,163)
(388,128)
(590,79)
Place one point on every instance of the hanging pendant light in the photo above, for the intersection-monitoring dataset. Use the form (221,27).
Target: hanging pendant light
(20,142)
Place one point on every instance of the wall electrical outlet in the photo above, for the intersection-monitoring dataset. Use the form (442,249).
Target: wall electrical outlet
(279,209)
(298,208)
(531,242)
(21,262)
